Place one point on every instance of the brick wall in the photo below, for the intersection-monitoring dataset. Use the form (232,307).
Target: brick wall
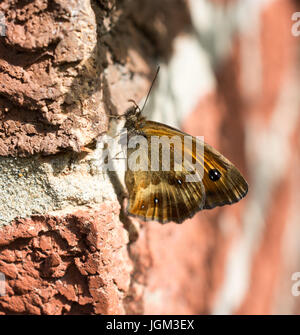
(230,72)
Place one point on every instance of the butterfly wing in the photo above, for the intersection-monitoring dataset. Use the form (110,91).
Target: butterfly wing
(155,196)
(166,195)
(229,188)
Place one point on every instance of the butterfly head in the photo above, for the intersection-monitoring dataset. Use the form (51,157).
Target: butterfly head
(133,116)
(133,113)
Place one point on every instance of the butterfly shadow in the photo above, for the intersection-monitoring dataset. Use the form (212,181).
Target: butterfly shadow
(122,195)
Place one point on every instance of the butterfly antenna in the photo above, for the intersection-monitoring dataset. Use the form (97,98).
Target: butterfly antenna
(153,81)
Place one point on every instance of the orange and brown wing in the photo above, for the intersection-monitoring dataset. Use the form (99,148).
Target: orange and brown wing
(167,196)
(162,196)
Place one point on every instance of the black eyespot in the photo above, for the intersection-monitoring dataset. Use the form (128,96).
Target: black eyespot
(155,200)
(214,174)
(179,181)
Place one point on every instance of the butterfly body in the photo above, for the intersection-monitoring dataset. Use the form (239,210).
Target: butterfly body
(165,195)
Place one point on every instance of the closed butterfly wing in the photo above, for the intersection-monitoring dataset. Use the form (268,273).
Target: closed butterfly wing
(166,194)
(155,196)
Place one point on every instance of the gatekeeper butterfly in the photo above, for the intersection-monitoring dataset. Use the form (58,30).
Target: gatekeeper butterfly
(165,195)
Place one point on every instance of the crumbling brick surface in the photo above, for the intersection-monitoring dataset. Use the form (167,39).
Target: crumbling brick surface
(65,64)
(69,264)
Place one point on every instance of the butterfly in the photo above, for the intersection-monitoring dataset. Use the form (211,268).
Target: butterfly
(165,194)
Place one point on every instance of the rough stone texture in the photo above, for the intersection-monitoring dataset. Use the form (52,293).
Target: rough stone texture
(39,111)
(233,77)
(64,65)
(66,264)
(38,185)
